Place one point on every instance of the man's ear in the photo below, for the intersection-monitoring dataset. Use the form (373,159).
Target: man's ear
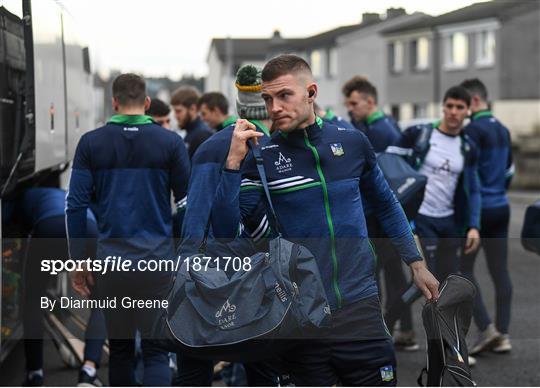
(370,100)
(147,102)
(114,103)
(193,110)
(312,92)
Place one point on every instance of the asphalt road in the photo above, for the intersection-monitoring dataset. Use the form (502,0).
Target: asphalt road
(521,367)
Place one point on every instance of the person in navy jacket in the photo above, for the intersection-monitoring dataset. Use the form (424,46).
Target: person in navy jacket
(495,168)
(184,102)
(361,102)
(382,131)
(130,166)
(317,174)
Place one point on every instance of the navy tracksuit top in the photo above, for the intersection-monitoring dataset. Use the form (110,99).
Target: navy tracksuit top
(130,166)
(382,131)
(318,177)
(495,167)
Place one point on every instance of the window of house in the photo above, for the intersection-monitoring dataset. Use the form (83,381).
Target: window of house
(420,54)
(315,59)
(394,109)
(332,62)
(396,56)
(420,110)
(485,48)
(456,51)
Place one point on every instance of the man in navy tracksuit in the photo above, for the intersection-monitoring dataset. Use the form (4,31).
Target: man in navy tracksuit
(361,102)
(450,210)
(494,168)
(130,166)
(207,166)
(214,111)
(317,174)
(382,131)
(328,115)
(184,102)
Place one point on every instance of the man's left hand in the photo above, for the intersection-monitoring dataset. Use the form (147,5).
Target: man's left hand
(425,280)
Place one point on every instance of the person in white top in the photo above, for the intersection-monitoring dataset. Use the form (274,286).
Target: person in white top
(451,206)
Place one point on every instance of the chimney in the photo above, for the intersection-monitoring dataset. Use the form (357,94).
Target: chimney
(370,17)
(395,12)
(276,38)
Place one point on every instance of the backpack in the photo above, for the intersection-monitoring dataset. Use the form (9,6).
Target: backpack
(446,322)
(406,183)
(250,315)
(530,233)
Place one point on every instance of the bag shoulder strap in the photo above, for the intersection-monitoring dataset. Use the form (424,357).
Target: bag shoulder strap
(421,145)
(260,168)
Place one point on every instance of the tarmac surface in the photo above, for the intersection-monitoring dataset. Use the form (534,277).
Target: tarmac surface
(521,367)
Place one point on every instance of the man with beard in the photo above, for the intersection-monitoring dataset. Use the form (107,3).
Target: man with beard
(184,102)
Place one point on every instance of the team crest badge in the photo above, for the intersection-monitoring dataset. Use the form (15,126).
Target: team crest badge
(337,149)
(387,373)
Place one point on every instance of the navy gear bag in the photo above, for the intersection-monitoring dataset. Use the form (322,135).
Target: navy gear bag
(407,184)
(249,315)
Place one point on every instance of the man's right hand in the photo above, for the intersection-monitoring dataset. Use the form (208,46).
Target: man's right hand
(80,281)
(243,132)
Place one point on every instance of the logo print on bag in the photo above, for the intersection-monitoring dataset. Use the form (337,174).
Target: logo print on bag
(283,164)
(280,292)
(458,354)
(226,321)
(408,183)
(226,308)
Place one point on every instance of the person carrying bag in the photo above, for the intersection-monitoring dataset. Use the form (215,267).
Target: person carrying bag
(274,295)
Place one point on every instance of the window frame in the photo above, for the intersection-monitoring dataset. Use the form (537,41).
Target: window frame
(448,51)
(484,62)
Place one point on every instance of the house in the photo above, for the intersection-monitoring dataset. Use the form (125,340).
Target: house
(497,41)
(332,62)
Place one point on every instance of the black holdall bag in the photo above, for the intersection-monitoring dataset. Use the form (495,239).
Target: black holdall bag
(446,322)
(250,315)
(530,232)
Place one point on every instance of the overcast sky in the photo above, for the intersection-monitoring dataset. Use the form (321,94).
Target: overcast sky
(172,37)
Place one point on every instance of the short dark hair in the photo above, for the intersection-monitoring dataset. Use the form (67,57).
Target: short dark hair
(158,108)
(361,85)
(214,100)
(475,87)
(282,65)
(185,95)
(129,89)
(458,93)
